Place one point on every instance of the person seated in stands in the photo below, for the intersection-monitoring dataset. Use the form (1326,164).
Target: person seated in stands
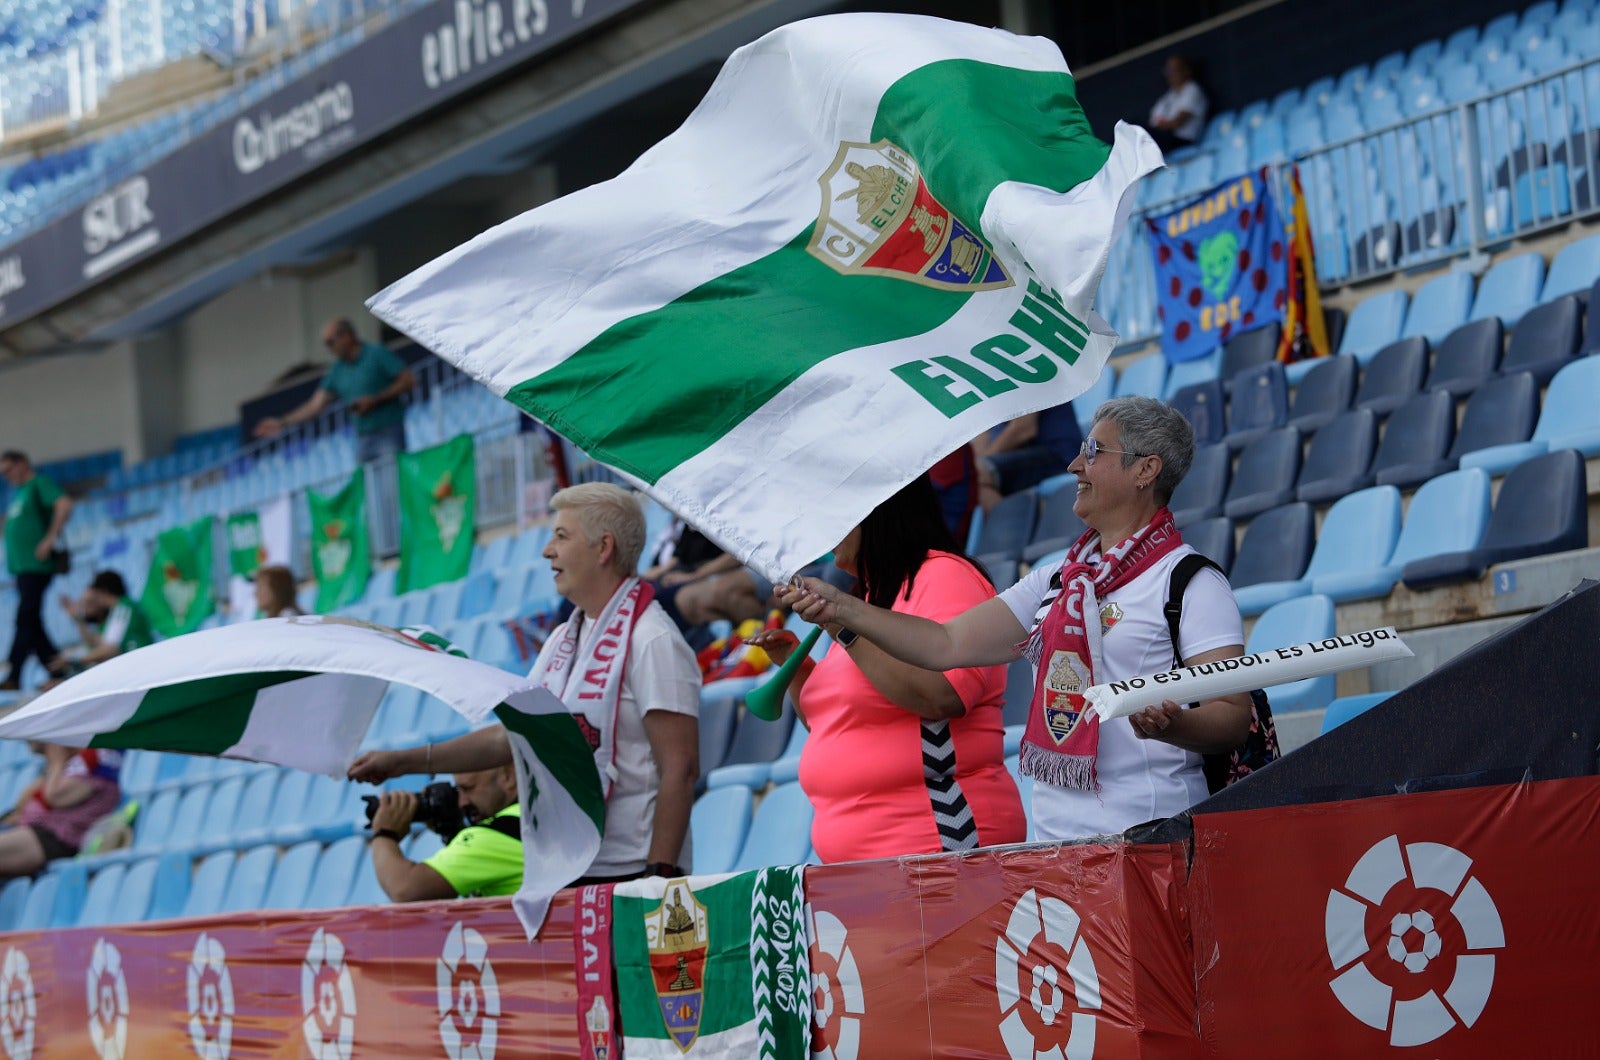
(685,558)
(367,377)
(109,623)
(1179,115)
(1023,452)
(641,704)
(483,859)
(275,592)
(75,789)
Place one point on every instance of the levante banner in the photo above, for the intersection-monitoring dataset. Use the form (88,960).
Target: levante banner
(1221,267)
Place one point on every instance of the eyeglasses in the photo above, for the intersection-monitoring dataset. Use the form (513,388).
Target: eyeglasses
(1092,448)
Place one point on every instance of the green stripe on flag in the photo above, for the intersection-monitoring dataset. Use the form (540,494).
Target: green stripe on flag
(206,716)
(561,748)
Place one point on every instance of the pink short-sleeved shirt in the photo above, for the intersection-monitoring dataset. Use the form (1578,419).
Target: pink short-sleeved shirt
(886,783)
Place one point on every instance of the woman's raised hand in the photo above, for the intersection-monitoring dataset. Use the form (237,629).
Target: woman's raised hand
(779,644)
(814,600)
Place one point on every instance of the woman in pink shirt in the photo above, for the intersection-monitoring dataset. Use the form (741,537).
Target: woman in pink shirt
(902,760)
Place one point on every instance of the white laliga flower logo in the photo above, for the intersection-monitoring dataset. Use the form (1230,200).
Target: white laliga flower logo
(108,1002)
(328,999)
(1412,941)
(469,996)
(837,1001)
(1040,943)
(210,996)
(19,1009)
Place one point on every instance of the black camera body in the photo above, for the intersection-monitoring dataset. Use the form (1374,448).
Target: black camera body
(438,809)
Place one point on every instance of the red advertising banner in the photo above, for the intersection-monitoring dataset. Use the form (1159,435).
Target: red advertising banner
(1066,952)
(1452,923)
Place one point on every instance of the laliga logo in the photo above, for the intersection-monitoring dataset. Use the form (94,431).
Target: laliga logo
(837,1002)
(210,993)
(1039,955)
(328,999)
(19,1011)
(469,996)
(108,1002)
(1397,978)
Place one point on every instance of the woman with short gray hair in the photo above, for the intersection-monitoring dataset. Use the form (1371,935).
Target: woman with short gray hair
(1093,778)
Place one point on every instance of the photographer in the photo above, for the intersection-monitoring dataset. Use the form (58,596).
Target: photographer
(482,859)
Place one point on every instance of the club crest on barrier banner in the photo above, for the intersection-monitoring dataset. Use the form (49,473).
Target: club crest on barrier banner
(678,934)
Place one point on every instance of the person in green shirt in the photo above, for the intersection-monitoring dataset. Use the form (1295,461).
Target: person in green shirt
(368,378)
(483,859)
(109,623)
(34,519)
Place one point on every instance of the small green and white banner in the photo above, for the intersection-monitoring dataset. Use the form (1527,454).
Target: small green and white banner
(438,514)
(302,691)
(256,539)
(341,558)
(877,236)
(178,594)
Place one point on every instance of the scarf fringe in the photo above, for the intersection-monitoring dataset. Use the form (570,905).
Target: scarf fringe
(1053,767)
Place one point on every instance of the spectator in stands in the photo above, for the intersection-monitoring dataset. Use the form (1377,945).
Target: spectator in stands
(684,556)
(1025,451)
(643,721)
(75,789)
(901,759)
(483,859)
(275,592)
(1179,115)
(370,379)
(109,623)
(34,520)
(1092,778)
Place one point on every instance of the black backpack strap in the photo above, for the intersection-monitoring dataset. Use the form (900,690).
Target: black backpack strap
(1183,573)
(507,825)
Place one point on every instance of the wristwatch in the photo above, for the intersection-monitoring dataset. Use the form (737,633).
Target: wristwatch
(387,833)
(846,637)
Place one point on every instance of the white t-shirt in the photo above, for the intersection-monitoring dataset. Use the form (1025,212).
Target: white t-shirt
(1140,780)
(1174,102)
(660,674)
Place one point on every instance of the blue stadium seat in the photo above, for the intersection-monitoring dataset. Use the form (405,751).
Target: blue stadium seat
(1358,539)
(101,896)
(1545,341)
(787,767)
(1187,373)
(1509,289)
(527,546)
(719,823)
(1205,407)
(780,833)
(1439,307)
(1248,349)
(1502,411)
(1393,375)
(1146,377)
(247,885)
(1266,474)
(718,713)
(1259,403)
(288,803)
(336,873)
(291,877)
(757,741)
(1212,538)
(13,898)
(1467,356)
(1295,622)
(1338,458)
(1006,528)
(1019,692)
(478,593)
(171,887)
(1575,269)
(1567,421)
(1374,324)
(1199,495)
(39,903)
(380,586)
(72,885)
(152,828)
(366,890)
(1448,514)
(1276,548)
(134,897)
(185,830)
(1542,508)
(210,886)
(1415,441)
(1085,404)
(1344,708)
(491,556)
(1324,392)
(1058,526)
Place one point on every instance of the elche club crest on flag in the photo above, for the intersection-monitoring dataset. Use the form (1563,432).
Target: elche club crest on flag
(179,592)
(19,1008)
(449,511)
(1431,966)
(878,216)
(209,992)
(108,1002)
(1046,981)
(678,935)
(469,996)
(334,553)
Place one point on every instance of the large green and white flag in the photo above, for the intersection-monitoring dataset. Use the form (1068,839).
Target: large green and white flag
(178,594)
(302,691)
(341,559)
(876,237)
(713,966)
(438,514)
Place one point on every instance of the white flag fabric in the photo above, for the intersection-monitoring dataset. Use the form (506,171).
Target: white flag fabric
(876,237)
(301,692)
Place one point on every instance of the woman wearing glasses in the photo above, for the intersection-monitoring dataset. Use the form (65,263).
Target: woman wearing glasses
(1093,778)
